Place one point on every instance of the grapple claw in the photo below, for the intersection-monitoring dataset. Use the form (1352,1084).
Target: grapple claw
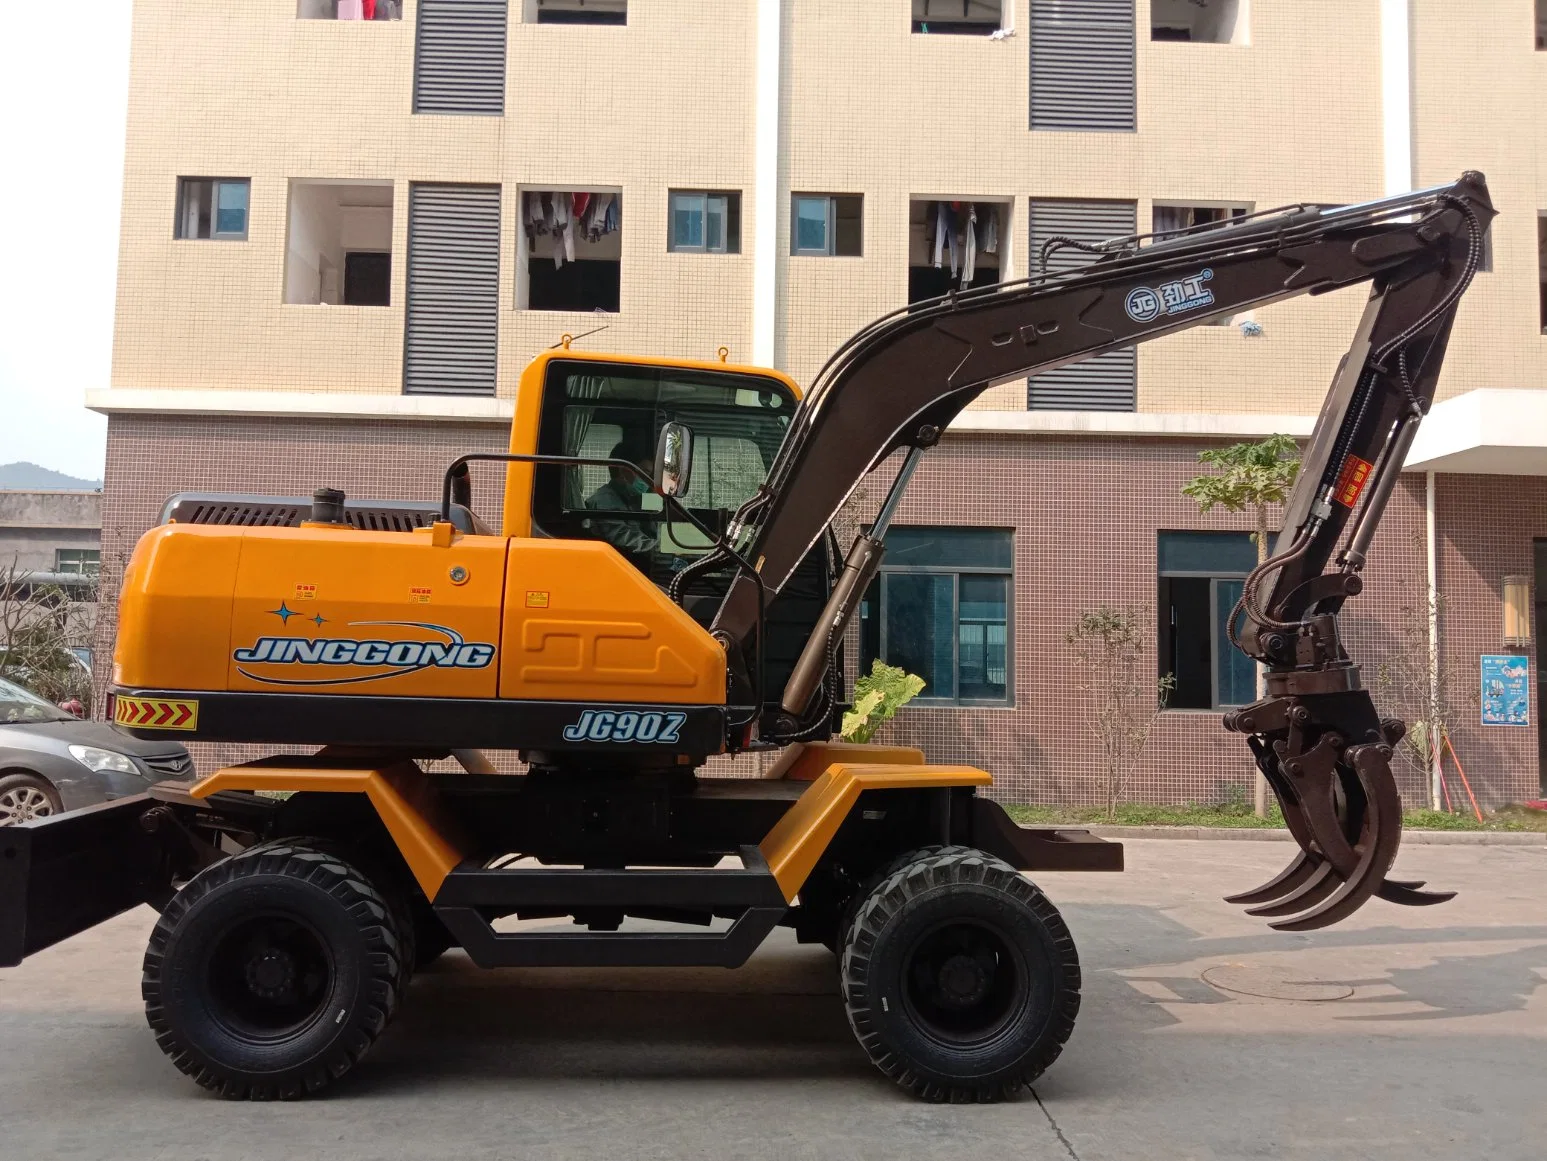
(1379,837)
(1340,804)
(1322,882)
(1291,877)
(1408,894)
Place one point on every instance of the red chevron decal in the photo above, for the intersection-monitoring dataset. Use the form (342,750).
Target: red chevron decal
(184,712)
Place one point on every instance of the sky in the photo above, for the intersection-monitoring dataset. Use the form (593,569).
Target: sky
(63,91)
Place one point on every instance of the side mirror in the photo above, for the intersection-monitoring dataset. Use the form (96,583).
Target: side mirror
(674,459)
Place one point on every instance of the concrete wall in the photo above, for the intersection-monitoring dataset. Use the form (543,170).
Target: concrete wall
(34,524)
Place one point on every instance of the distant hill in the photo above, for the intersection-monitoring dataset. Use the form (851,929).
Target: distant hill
(27,477)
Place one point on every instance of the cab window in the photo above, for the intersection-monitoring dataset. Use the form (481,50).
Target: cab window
(602,410)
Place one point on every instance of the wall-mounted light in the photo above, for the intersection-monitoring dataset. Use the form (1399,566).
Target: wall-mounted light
(1517,610)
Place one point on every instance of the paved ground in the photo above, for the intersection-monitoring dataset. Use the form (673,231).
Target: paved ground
(1439,1049)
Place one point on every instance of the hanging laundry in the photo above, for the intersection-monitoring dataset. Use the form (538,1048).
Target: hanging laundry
(562,228)
(612,221)
(991,231)
(970,247)
(945,236)
(368,9)
(582,202)
(532,218)
(351,9)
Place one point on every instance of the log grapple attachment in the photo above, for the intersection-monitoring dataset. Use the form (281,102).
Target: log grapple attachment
(1328,762)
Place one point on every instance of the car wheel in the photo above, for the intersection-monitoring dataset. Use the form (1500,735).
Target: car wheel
(24,797)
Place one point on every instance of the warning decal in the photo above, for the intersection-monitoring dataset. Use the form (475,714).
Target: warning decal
(1351,481)
(155,713)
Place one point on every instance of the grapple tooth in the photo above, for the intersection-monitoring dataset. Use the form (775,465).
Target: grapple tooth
(1291,877)
(1323,881)
(1380,836)
(1408,894)
(1320,827)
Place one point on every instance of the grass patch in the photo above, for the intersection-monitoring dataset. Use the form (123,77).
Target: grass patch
(1239,814)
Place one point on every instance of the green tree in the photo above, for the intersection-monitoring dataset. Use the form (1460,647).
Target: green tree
(1124,700)
(1250,477)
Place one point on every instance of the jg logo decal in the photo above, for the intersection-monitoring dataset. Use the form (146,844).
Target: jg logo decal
(625,726)
(1144,304)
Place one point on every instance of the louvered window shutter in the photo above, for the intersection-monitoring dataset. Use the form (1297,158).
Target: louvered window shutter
(1082,65)
(1106,382)
(459,57)
(451,342)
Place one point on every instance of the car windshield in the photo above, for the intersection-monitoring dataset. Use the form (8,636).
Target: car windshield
(18,705)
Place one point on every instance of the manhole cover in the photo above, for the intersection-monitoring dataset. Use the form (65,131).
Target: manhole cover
(1271,983)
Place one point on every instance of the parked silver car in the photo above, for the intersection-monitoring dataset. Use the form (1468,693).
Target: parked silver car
(51,761)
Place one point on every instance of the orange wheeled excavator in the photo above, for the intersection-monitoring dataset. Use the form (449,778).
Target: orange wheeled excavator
(666,587)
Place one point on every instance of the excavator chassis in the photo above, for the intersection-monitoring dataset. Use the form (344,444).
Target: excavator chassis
(434,861)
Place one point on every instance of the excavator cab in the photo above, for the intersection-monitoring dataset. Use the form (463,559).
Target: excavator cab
(594,408)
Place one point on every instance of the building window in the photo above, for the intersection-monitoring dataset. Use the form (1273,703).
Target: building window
(1201,576)
(705,222)
(78,561)
(575,12)
(1541,267)
(1201,21)
(573,257)
(212,207)
(954,245)
(941,608)
(349,9)
(338,243)
(1172,220)
(828,224)
(959,17)
(1541,34)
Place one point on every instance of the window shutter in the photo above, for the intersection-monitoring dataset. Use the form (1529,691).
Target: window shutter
(459,57)
(1082,64)
(452,333)
(1106,382)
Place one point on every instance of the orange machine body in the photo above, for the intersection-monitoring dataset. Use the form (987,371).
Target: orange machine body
(431,613)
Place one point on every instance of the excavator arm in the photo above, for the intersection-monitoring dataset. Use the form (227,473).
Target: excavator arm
(900,381)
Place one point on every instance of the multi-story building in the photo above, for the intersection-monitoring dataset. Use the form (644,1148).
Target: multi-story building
(338,253)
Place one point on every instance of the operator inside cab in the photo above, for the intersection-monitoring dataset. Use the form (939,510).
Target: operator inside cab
(625,492)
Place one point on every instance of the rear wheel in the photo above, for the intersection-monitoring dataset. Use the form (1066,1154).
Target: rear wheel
(24,797)
(960,979)
(271,973)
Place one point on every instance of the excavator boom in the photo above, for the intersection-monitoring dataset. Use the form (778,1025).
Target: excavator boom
(900,381)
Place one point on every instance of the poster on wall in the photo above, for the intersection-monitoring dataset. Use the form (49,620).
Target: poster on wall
(1506,689)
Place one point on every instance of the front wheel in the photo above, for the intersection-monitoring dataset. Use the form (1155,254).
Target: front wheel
(24,797)
(959,978)
(271,973)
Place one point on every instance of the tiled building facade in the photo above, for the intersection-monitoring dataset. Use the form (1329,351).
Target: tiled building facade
(290,177)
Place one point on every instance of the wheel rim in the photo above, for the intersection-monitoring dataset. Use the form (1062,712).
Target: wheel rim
(964,983)
(268,977)
(23,804)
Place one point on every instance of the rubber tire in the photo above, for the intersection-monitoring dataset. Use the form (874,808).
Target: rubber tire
(339,904)
(37,781)
(938,885)
(390,883)
(850,909)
